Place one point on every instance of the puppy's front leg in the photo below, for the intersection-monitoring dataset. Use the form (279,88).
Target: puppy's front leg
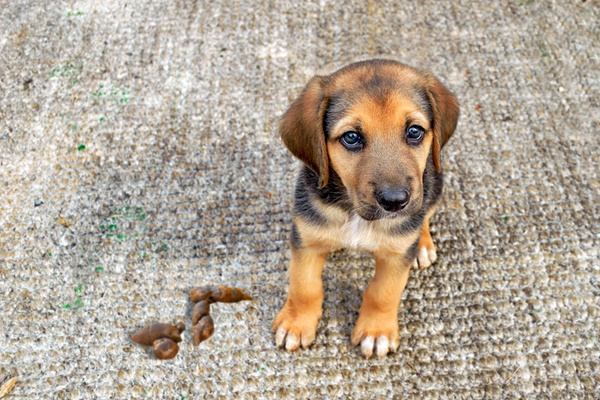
(377,325)
(426,254)
(296,322)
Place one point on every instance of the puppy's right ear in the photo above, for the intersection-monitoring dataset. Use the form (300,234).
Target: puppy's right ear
(302,130)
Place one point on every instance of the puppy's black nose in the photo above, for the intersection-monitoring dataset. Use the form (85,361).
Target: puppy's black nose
(393,199)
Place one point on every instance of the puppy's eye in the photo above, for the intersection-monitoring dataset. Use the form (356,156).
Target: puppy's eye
(352,141)
(414,134)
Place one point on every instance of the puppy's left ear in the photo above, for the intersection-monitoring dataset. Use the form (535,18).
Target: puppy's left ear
(445,116)
(302,130)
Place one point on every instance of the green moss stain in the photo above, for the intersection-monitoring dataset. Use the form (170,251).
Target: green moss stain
(68,73)
(124,224)
(118,94)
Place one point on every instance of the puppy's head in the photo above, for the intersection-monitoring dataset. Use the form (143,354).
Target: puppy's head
(375,123)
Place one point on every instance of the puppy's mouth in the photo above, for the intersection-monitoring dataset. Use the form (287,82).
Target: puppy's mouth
(371,212)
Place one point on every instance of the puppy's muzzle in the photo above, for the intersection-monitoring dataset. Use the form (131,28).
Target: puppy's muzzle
(393,199)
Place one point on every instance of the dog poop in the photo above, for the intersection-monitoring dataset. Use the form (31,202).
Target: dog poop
(203,296)
(163,337)
(201,309)
(203,329)
(214,294)
(149,334)
(165,349)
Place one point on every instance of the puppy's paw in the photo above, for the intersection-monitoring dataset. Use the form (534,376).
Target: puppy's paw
(295,327)
(376,334)
(426,254)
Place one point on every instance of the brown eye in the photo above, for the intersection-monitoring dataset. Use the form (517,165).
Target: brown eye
(414,134)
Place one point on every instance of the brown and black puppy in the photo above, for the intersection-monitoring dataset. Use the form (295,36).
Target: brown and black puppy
(370,136)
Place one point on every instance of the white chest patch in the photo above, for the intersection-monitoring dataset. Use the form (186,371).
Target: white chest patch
(359,233)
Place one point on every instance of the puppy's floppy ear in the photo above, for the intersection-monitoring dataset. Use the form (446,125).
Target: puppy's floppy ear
(302,131)
(445,116)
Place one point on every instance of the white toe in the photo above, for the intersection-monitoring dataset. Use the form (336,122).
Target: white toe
(307,340)
(366,346)
(382,346)
(280,337)
(292,342)
(423,256)
(394,345)
(432,255)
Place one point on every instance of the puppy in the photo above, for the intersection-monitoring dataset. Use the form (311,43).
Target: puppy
(370,137)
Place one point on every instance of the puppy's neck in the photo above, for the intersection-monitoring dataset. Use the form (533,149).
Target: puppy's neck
(333,194)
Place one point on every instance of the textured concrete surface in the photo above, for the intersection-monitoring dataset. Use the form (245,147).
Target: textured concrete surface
(149,127)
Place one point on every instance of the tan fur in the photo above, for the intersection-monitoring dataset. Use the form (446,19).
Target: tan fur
(342,232)
(302,310)
(426,254)
(378,315)
(445,110)
(305,118)
(425,241)
(381,124)
(381,100)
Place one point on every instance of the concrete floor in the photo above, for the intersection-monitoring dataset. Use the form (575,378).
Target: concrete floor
(139,157)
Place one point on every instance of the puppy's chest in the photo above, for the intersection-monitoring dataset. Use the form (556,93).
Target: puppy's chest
(343,231)
(358,233)
(373,236)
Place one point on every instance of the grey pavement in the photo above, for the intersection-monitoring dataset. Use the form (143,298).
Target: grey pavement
(139,157)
